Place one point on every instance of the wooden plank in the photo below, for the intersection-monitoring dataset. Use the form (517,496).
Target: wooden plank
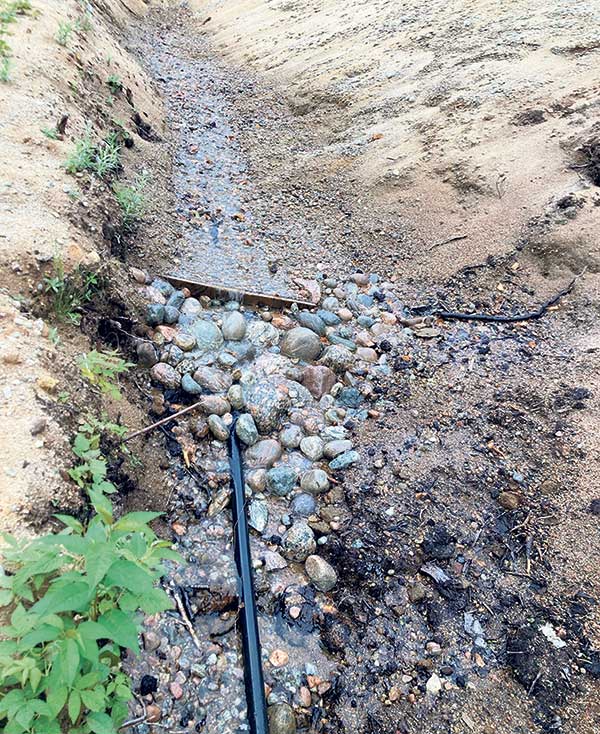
(234,294)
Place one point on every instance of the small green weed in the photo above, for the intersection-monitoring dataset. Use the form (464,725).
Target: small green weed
(67,294)
(102,369)
(51,133)
(53,335)
(114,83)
(108,156)
(82,158)
(84,22)
(74,600)
(8,15)
(103,158)
(63,34)
(5,66)
(132,201)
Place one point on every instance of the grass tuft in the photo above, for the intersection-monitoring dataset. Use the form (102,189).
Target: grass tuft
(132,202)
(63,34)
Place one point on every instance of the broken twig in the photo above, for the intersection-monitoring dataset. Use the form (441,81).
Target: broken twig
(528,316)
(448,241)
(161,422)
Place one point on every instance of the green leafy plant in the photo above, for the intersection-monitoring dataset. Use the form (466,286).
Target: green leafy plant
(67,294)
(74,600)
(132,201)
(114,83)
(63,34)
(103,369)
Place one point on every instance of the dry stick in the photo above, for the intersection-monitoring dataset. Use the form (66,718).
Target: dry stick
(186,621)
(448,241)
(537,314)
(162,422)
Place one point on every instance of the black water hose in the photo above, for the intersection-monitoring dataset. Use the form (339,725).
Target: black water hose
(253,672)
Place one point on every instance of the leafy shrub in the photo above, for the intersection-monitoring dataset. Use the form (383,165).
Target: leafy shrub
(103,369)
(68,293)
(132,202)
(74,599)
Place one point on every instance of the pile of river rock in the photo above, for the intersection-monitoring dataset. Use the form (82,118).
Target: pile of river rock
(298,381)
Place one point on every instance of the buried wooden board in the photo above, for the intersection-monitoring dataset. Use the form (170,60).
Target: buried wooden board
(234,294)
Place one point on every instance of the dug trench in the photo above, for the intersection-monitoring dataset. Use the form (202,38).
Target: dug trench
(421,491)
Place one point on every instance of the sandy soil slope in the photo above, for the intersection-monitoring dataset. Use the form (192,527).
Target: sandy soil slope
(46,213)
(463,116)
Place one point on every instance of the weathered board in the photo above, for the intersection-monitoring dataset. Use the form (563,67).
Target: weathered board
(234,294)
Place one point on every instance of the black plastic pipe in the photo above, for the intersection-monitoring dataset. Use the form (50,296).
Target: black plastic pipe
(253,672)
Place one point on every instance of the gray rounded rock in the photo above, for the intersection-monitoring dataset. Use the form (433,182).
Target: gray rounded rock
(301,343)
(312,447)
(311,321)
(350,397)
(343,461)
(303,504)
(155,314)
(281,480)
(236,397)
(298,542)
(264,453)
(191,307)
(171,315)
(281,719)
(185,342)
(146,353)
(321,573)
(212,379)
(163,287)
(246,429)
(176,299)
(315,481)
(266,403)
(330,303)
(173,355)
(257,480)
(291,436)
(234,326)
(208,336)
(262,333)
(190,385)
(214,404)
(337,358)
(218,428)
(335,448)
(166,375)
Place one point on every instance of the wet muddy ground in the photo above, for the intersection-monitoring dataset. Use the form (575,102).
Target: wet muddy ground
(464,539)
